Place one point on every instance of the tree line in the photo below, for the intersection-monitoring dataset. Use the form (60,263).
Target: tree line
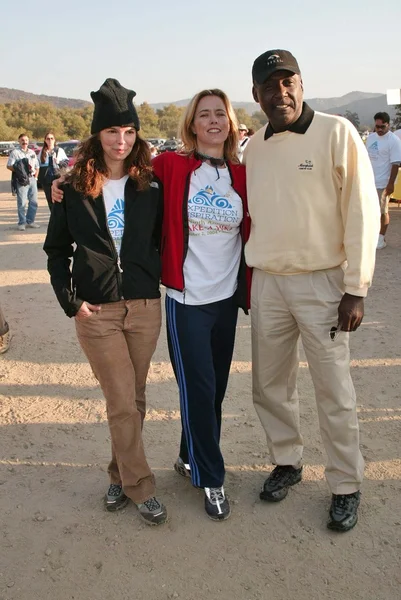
(37,118)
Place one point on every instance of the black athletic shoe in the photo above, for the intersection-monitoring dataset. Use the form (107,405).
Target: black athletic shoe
(344,511)
(217,505)
(115,499)
(275,488)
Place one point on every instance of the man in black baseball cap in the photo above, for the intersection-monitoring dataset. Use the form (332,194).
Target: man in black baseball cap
(314,212)
(277,87)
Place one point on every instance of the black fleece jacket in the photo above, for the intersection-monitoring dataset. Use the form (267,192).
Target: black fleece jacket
(78,229)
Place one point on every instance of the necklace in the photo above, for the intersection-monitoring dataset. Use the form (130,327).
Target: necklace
(215,162)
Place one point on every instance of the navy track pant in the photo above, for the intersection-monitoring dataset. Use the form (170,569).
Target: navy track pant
(201,344)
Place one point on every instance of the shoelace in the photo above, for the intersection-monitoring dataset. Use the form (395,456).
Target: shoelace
(114,490)
(152,504)
(279,473)
(216,495)
(344,502)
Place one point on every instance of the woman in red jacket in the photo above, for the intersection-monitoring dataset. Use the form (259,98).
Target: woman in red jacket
(205,226)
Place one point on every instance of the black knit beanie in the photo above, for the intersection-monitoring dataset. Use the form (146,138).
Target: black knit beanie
(114,107)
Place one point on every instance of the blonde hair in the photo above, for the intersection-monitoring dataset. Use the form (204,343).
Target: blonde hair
(189,138)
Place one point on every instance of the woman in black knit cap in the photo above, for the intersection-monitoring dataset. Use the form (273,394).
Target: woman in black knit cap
(112,213)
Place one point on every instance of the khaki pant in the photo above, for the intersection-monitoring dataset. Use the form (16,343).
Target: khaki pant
(119,342)
(283,308)
(383,200)
(3,323)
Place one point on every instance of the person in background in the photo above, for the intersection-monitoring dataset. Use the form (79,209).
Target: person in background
(205,226)
(314,225)
(51,160)
(384,149)
(5,333)
(153,151)
(25,168)
(243,139)
(111,213)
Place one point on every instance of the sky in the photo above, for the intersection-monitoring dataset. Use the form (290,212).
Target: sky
(168,50)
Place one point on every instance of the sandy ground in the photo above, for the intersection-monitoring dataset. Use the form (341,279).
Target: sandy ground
(58,543)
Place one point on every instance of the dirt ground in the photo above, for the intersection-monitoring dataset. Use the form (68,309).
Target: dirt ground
(57,542)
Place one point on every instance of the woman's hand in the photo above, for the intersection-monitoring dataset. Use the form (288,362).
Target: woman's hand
(87,311)
(57,194)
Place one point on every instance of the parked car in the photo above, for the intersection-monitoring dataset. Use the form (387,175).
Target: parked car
(156,142)
(170,146)
(7,147)
(69,148)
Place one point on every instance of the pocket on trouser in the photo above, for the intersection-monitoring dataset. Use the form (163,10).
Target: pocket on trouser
(328,285)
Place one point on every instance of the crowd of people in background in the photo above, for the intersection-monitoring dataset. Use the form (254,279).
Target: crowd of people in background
(284,221)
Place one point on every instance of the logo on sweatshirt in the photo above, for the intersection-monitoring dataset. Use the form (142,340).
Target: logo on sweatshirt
(307,165)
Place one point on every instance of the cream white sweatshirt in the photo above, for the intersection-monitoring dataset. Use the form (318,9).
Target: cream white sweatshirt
(313,202)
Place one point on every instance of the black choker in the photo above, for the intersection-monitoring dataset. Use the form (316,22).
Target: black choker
(215,162)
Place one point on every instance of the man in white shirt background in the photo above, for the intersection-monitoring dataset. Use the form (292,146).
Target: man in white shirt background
(27,193)
(243,140)
(384,149)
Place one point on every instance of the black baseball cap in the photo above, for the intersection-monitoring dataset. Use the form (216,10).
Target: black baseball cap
(271,61)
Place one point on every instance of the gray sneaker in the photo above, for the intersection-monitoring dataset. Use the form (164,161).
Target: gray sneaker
(33,225)
(5,340)
(115,499)
(182,468)
(152,511)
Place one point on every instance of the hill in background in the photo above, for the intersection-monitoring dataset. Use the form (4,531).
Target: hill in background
(11,95)
(364,103)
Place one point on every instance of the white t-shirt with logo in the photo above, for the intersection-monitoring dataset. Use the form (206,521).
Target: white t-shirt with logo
(113,195)
(214,248)
(384,151)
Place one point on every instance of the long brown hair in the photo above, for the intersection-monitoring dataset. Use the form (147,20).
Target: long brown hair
(45,149)
(189,138)
(90,170)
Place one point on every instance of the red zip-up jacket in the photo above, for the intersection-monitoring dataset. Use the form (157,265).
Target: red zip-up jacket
(174,171)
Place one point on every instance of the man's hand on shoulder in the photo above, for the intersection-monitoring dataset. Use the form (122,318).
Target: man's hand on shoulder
(350,312)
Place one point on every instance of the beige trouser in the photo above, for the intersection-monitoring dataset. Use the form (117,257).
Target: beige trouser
(284,307)
(119,342)
(383,200)
(3,323)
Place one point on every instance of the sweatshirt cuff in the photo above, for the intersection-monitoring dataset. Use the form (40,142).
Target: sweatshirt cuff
(357,291)
(74,307)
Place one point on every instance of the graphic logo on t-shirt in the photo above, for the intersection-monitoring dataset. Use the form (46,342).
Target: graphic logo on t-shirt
(115,222)
(210,213)
(115,218)
(208,197)
(373,150)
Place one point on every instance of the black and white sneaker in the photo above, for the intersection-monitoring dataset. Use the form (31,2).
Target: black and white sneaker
(275,488)
(115,499)
(152,511)
(217,506)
